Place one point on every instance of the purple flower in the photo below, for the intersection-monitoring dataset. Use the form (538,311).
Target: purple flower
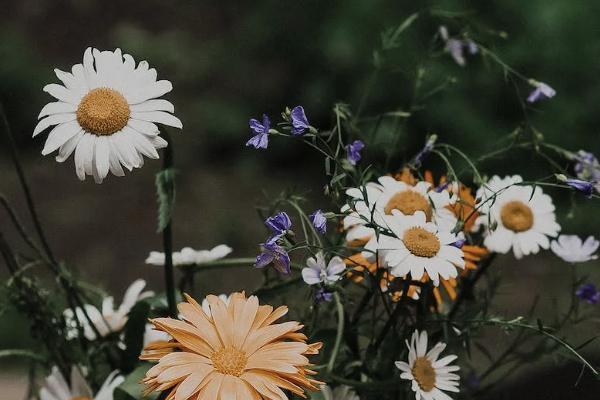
(353,150)
(279,224)
(589,293)
(319,221)
(587,166)
(420,157)
(323,295)
(260,140)
(585,187)
(456,47)
(274,254)
(459,243)
(299,121)
(542,91)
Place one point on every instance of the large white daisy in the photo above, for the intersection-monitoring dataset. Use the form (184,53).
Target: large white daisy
(430,375)
(376,200)
(106,113)
(418,246)
(523,216)
(56,387)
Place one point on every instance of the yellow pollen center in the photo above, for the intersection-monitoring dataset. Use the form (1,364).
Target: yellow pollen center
(424,374)
(229,361)
(421,242)
(408,202)
(103,111)
(516,216)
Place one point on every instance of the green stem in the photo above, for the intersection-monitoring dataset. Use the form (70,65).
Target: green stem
(167,234)
(340,332)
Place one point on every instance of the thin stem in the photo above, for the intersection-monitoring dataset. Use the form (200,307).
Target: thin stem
(14,153)
(340,332)
(167,234)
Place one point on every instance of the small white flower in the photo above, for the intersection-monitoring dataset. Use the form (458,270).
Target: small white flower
(106,113)
(319,271)
(524,216)
(430,376)
(571,248)
(391,194)
(341,392)
(189,256)
(109,319)
(206,305)
(56,387)
(418,247)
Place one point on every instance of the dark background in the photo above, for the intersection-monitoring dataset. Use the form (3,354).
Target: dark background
(229,61)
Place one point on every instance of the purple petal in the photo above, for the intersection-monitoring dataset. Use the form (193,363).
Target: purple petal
(299,120)
(260,141)
(263,259)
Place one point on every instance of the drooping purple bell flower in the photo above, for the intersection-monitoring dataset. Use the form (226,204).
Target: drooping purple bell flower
(541,92)
(353,151)
(299,120)
(260,140)
(279,224)
(274,254)
(319,221)
(585,187)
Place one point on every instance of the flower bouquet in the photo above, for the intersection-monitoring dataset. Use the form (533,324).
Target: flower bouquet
(385,291)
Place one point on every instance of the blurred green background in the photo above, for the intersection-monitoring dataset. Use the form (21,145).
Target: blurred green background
(229,61)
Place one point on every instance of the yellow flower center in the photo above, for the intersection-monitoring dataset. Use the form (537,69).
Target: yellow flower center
(409,202)
(229,361)
(424,374)
(421,242)
(103,111)
(516,216)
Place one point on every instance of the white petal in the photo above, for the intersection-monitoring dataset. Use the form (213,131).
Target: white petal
(59,135)
(144,127)
(52,120)
(67,148)
(148,92)
(158,116)
(57,107)
(81,154)
(62,93)
(153,105)
(102,157)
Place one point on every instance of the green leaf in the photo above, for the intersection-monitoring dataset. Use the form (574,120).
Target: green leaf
(134,333)
(131,388)
(165,190)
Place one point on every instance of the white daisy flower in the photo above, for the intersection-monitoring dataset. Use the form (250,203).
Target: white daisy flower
(108,319)
(573,250)
(524,216)
(319,271)
(418,246)
(189,256)
(106,113)
(206,305)
(56,387)
(391,194)
(430,376)
(341,392)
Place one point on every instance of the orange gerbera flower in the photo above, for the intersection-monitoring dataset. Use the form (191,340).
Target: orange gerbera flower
(235,352)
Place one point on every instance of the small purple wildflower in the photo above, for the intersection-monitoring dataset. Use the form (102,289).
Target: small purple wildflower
(585,187)
(319,221)
(421,155)
(456,47)
(542,91)
(587,167)
(279,224)
(323,295)
(459,243)
(589,293)
(274,254)
(299,121)
(260,140)
(353,150)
